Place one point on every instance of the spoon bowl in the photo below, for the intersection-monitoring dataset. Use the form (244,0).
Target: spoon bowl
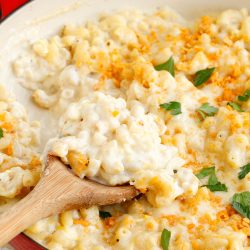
(57,191)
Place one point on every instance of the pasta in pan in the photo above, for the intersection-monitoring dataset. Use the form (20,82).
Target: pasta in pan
(155,101)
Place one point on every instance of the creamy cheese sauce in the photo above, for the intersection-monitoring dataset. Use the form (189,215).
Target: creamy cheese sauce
(102,81)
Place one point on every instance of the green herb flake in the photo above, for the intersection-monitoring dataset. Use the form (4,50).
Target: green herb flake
(244,171)
(212,179)
(235,106)
(217,187)
(202,76)
(245,96)
(1,133)
(175,107)
(207,110)
(168,66)
(241,203)
(213,184)
(165,239)
(205,172)
(104,214)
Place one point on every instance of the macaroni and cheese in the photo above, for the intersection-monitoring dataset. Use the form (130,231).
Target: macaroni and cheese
(151,100)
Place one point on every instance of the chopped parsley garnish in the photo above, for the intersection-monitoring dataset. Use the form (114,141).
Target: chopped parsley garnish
(207,110)
(205,172)
(165,239)
(245,96)
(217,187)
(1,133)
(175,107)
(168,66)
(241,203)
(213,183)
(104,214)
(202,76)
(235,106)
(244,171)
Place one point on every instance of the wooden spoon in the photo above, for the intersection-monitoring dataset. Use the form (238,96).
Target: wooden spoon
(58,190)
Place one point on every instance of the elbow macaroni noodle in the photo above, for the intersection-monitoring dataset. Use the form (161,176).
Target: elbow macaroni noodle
(20,162)
(101,79)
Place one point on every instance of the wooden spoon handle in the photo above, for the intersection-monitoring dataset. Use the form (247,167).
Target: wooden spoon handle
(58,190)
(50,196)
(18,218)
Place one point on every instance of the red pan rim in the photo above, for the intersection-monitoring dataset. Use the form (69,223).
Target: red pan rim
(14,11)
(23,242)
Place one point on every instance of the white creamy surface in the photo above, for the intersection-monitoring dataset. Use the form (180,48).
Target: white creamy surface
(124,140)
